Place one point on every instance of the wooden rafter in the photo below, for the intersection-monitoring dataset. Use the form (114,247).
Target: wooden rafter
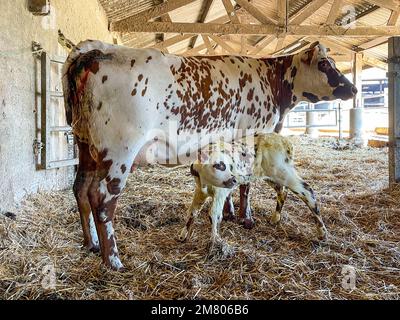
(154,12)
(262,44)
(230,10)
(202,17)
(388,4)
(171,41)
(282,6)
(210,49)
(300,30)
(223,44)
(334,12)
(255,12)
(307,11)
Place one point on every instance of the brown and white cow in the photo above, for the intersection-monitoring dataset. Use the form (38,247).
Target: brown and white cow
(127,104)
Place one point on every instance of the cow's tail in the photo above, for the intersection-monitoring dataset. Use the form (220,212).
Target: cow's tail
(77,70)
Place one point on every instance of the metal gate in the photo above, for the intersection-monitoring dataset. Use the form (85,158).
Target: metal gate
(47,126)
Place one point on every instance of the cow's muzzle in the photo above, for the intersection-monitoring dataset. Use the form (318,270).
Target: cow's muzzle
(345,92)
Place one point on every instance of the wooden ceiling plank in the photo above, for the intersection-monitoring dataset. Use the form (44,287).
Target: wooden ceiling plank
(230,10)
(210,49)
(334,12)
(306,12)
(255,12)
(223,44)
(387,4)
(297,30)
(151,13)
(202,17)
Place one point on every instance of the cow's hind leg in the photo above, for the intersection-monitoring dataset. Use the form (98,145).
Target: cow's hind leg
(281,195)
(199,198)
(84,177)
(105,189)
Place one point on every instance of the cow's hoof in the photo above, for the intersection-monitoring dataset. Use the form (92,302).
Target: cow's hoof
(94,248)
(115,264)
(183,236)
(229,217)
(247,223)
(275,219)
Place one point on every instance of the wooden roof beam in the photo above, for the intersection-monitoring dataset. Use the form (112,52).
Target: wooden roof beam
(298,30)
(202,17)
(151,13)
(388,4)
(230,10)
(334,12)
(255,12)
(282,6)
(307,11)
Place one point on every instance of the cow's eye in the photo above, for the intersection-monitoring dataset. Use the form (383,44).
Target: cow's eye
(324,64)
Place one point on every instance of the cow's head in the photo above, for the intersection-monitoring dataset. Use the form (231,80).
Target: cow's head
(318,78)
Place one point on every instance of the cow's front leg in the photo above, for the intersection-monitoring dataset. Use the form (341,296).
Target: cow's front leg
(281,195)
(200,196)
(245,216)
(229,209)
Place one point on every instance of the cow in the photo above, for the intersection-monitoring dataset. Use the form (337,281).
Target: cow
(222,166)
(130,107)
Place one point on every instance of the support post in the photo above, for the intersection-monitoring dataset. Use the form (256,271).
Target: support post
(394,110)
(311,120)
(357,112)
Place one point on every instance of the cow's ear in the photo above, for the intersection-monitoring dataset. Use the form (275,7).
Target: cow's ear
(310,55)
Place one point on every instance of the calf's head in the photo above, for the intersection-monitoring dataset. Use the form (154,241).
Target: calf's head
(318,79)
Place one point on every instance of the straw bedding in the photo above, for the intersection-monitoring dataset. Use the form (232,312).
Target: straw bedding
(268,262)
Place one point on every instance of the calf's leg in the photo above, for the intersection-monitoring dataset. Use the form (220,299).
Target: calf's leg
(200,196)
(281,194)
(302,190)
(215,212)
(245,216)
(229,209)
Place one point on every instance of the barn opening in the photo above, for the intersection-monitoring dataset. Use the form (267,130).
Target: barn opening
(347,150)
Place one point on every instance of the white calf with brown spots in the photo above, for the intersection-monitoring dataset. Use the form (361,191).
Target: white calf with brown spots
(223,166)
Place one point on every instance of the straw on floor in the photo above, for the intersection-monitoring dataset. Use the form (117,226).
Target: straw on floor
(268,262)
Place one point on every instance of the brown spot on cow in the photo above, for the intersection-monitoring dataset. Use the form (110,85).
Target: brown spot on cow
(134,92)
(144,92)
(123,169)
(148,59)
(133,61)
(140,78)
(100,106)
(104,79)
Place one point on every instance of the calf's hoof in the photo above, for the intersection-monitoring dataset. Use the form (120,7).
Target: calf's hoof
(275,219)
(183,235)
(322,233)
(92,247)
(247,223)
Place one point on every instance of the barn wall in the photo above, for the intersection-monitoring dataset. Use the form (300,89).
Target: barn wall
(19,81)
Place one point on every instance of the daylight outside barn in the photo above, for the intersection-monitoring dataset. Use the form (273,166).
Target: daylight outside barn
(199,149)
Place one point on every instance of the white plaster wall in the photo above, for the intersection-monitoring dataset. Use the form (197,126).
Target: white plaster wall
(79,20)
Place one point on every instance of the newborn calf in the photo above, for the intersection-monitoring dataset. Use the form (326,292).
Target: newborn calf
(221,167)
